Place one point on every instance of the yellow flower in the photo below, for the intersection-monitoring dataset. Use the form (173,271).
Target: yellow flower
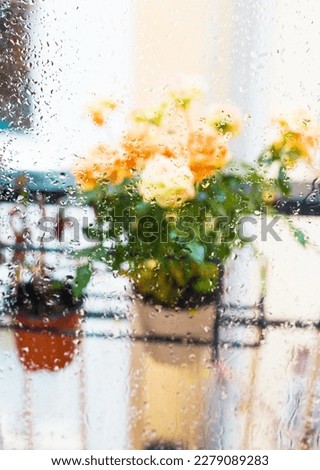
(168,181)
(268,196)
(184,90)
(299,136)
(102,164)
(99,112)
(151,263)
(226,120)
(293,147)
(298,121)
(207,153)
(153,115)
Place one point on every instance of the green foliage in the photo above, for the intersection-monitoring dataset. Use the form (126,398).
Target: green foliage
(300,237)
(83,276)
(283,182)
(171,252)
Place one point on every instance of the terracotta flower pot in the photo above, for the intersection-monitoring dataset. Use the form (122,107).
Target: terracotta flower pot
(45,332)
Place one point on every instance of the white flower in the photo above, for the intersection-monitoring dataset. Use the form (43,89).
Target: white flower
(168,181)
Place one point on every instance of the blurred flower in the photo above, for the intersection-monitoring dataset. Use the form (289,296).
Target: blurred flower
(168,181)
(297,121)
(184,90)
(153,115)
(293,147)
(151,263)
(140,145)
(268,196)
(84,175)
(102,164)
(225,119)
(207,153)
(299,136)
(100,111)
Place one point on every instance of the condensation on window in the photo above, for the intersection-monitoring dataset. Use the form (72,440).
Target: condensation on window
(15,95)
(159,214)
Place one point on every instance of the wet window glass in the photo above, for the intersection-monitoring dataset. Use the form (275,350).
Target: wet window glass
(159,211)
(14,74)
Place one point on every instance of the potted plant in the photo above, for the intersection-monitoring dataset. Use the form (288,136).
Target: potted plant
(46,314)
(47,322)
(169,203)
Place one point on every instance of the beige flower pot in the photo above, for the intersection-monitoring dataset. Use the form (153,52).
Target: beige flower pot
(155,321)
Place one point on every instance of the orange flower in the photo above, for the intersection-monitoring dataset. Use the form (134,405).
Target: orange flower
(99,112)
(84,175)
(138,146)
(97,116)
(207,154)
(103,164)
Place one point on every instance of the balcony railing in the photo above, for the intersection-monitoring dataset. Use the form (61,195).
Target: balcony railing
(28,195)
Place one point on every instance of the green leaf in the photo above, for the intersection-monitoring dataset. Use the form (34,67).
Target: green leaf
(300,237)
(83,276)
(196,252)
(84,252)
(268,156)
(204,286)
(283,182)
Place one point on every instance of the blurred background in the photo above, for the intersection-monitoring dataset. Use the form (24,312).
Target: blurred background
(262,56)
(262,391)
